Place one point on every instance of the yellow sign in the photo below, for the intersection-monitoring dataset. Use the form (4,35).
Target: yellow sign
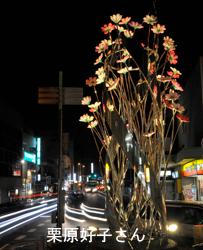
(193,168)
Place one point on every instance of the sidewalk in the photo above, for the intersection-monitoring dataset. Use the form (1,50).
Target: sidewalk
(111,244)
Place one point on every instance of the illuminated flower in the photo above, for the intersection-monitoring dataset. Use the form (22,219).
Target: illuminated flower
(99,59)
(183,118)
(120,29)
(86,118)
(168,43)
(128,33)
(112,84)
(179,108)
(123,59)
(86,100)
(125,20)
(172,57)
(91,81)
(94,107)
(150,19)
(172,95)
(93,124)
(142,45)
(148,134)
(176,85)
(158,29)
(116,18)
(103,46)
(135,25)
(168,104)
(110,106)
(108,28)
(125,70)
(151,67)
(174,73)
(101,75)
(161,78)
(155,91)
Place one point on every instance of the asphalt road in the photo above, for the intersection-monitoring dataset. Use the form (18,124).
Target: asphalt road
(34,233)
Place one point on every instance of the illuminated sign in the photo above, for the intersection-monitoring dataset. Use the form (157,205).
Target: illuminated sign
(38,151)
(193,168)
(107,171)
(168,173)
(30,157)
(17,172)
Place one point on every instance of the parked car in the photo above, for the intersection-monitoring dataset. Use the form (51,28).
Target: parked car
(91,187)
(76,195)
(185,220)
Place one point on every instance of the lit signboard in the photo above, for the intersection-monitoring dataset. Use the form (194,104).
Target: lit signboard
(38,151)
(29,157)
(193,168)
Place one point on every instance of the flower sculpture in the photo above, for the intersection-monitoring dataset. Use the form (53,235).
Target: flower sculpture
(136,107)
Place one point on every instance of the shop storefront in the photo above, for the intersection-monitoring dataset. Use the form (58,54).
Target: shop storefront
(192,180)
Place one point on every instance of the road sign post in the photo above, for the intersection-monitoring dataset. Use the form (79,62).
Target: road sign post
(60,213)
(61,96)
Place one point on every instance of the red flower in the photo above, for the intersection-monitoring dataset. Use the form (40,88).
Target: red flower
(168,104)
(92,81)
(107,28)
(176,85)
(155,91)
(183,118)
(172,57)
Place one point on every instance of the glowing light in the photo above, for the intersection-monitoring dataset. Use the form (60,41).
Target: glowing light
(172,228)
(10,221)
(21,223)
(46,201)
(21,211)
(71,211)
(93,217)
(94,208)
(92,168)
(90,211)
(74,219)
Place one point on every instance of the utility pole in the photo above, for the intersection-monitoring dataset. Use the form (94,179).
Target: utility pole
(60,208)
(60,96)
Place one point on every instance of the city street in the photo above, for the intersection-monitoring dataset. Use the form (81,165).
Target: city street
(29,227)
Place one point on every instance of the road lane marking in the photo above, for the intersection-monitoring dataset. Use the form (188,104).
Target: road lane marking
(32,230)
(45,216)
(4,246)
(20,237)
(40,225)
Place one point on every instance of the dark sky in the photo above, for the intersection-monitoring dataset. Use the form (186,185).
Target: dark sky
(39,38)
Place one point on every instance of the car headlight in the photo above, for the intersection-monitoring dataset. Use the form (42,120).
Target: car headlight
(94,190)
(172,227)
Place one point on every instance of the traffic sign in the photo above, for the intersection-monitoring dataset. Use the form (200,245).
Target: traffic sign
(50,95)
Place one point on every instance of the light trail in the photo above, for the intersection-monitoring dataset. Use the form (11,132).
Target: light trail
(94,208)
(21,223)
(93,217)
(8,222)
(21,211)
(90,211)
(74,219)
(47,201)
(71,211)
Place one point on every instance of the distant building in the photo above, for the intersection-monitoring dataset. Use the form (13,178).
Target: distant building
(11,125)
(50,155)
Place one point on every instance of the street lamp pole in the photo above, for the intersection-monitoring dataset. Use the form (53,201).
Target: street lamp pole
(60,208)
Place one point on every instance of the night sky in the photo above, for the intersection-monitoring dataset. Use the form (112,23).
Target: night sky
(39,38)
